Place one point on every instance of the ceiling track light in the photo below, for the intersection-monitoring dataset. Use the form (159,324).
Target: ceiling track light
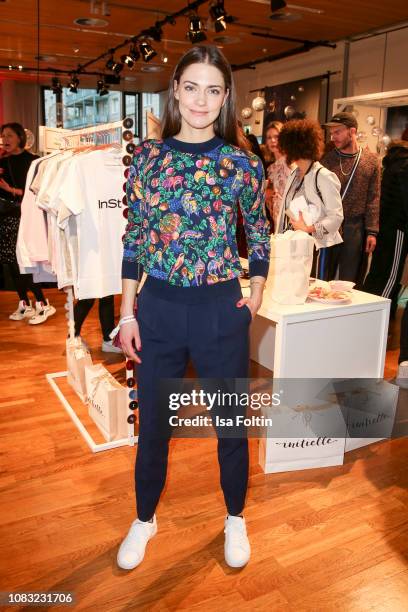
(195,29)
(56,85)
(102,88)
(73,84)
(131,57)
(113,65)
(147,51)
(219,15)
(127,60)
(155,32)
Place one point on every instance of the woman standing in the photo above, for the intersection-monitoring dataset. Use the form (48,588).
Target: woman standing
(14,167)
(182,194)
(277,172)
(312,190)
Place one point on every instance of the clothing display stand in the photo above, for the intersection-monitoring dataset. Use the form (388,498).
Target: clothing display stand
(94,446)
(53,139)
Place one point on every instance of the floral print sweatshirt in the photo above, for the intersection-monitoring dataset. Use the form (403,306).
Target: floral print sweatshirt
(182,213)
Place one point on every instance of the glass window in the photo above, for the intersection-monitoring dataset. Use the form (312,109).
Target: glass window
(50,108)
(83,109)
(132,110)
(87,108)
(150,103)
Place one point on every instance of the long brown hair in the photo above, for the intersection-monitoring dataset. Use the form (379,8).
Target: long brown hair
(226,124)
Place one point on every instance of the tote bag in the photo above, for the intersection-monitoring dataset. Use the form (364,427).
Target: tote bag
(290,266)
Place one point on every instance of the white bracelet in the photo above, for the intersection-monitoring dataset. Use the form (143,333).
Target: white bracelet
(127,319)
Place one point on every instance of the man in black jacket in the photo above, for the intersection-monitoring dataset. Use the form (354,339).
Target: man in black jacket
(392,242)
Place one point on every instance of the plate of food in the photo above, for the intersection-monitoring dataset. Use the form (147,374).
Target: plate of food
(326,295)
(339,285)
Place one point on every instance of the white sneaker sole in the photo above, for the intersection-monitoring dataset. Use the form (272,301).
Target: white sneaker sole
(36,320)
(21,317)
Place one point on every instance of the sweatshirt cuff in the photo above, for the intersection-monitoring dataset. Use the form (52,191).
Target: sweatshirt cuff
(130,270)
(320,231)
(259,267)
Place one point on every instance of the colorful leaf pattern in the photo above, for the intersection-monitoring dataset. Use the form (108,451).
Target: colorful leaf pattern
(183,212)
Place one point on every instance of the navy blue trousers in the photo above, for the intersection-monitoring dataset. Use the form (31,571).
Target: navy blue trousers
(204,325)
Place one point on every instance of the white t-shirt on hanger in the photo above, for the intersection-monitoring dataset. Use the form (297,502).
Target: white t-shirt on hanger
(92,192)
(32,233)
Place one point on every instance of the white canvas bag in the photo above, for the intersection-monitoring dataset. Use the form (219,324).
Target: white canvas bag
(307,431)
(78,357)
(290,266)
(107,402)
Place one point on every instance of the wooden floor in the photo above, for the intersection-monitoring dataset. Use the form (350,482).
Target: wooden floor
(332,539)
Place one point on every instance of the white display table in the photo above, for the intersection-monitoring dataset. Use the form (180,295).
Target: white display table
(315,340)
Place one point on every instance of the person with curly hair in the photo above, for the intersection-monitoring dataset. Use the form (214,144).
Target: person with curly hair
(311,201)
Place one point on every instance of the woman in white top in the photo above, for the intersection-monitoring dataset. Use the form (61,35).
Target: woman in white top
(311,201)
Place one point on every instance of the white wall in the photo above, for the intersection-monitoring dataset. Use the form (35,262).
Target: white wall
(376,64)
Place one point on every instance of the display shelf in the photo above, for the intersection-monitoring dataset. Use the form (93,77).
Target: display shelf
(95,447)
(382,99)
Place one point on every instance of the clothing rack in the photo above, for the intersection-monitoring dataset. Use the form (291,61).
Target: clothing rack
(52,139)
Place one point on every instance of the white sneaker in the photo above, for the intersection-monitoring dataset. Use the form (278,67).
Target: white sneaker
(42,312)
(108,347)
(132,550)
(402,375)
(23,311)
(237,549)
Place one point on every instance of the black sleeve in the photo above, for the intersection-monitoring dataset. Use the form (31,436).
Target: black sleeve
(402,178)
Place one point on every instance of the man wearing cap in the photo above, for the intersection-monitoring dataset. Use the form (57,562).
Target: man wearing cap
(359,173)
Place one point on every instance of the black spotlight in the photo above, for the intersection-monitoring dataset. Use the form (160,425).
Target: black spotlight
(155,32)
(101,88)
(127,60)
(147,51)
(73,84)
(134,53)
(219,16)
(132,57)
(111,64)
(277,5)
(56,85)
(195,29)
